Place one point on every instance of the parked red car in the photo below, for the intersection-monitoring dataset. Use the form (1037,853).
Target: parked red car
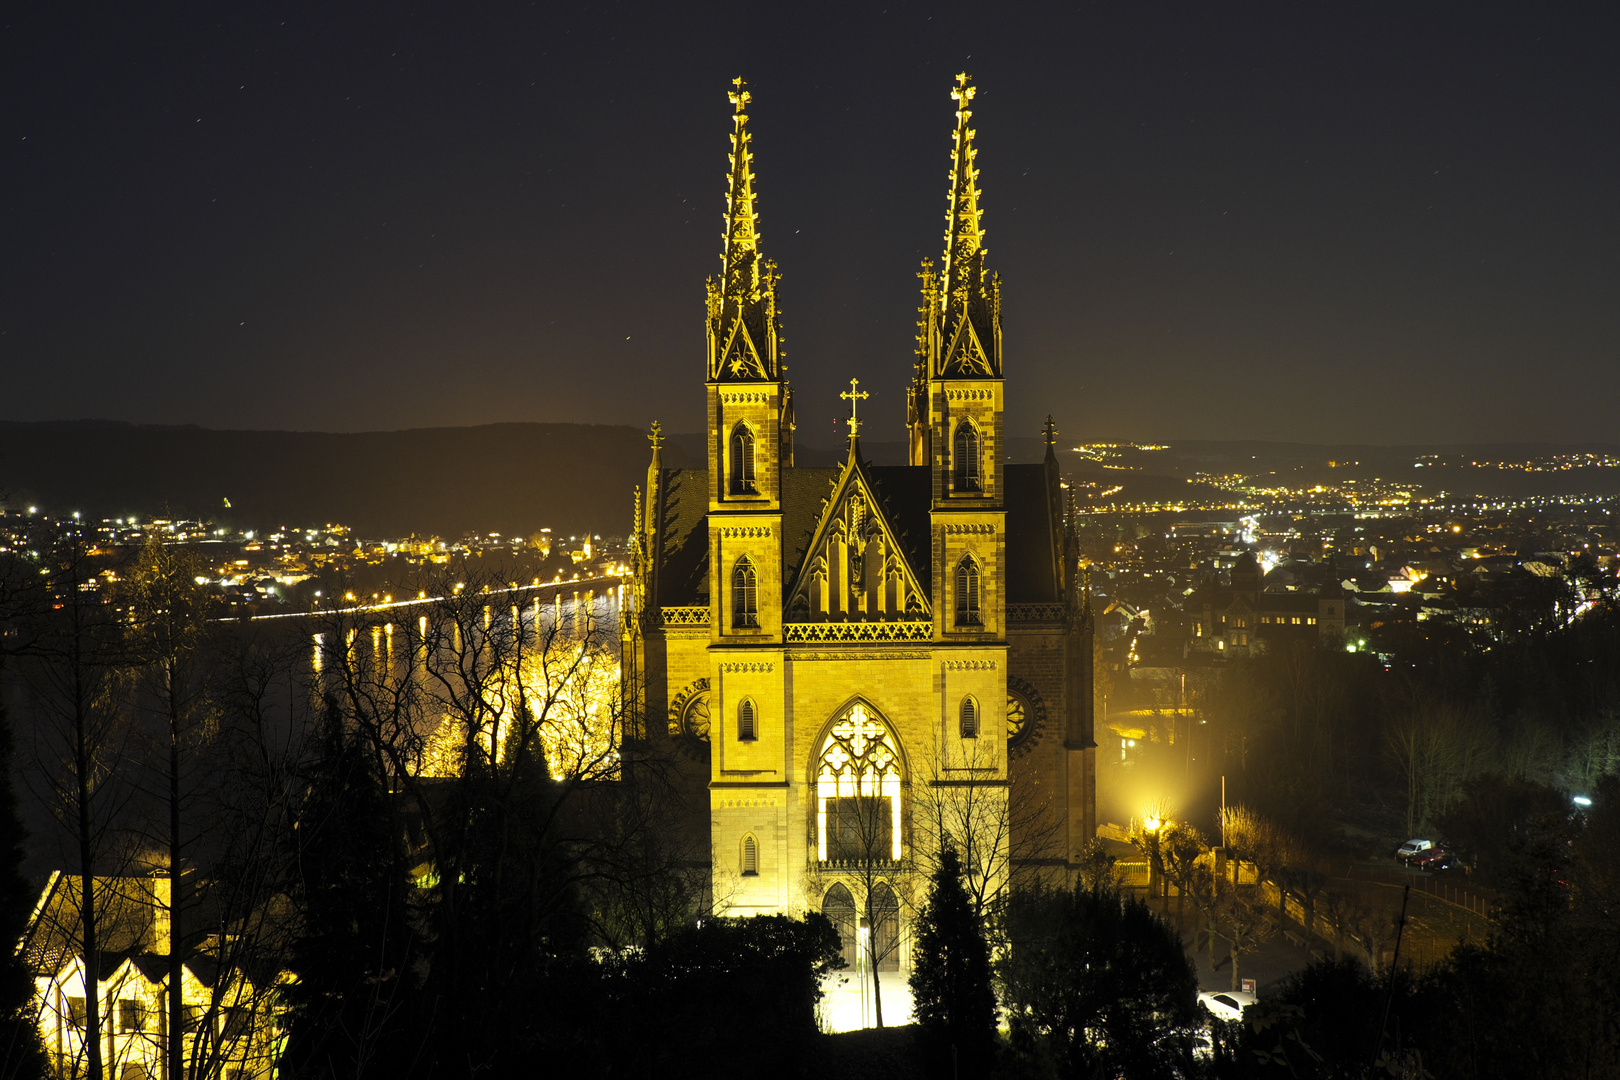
(1436,858)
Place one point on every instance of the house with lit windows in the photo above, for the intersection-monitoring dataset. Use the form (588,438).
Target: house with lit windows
(1241,619)
(836,653)
(229,1018)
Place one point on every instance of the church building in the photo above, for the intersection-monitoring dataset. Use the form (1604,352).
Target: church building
(858,664)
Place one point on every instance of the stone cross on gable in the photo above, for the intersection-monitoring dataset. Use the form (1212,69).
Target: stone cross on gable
(854,395)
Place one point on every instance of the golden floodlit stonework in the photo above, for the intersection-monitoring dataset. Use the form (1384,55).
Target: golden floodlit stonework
(770,599)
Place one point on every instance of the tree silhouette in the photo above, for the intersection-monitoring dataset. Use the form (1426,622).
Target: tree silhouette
(950,972)
(348,1009)
(1098,985)
(21,1055)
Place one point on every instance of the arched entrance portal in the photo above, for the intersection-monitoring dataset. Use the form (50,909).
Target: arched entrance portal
(839,907)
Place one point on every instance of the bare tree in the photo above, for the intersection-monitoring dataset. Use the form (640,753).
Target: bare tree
(498,727)
(74,673)
(1254,838)
(863,847)
(1181,846)
(169,616)
(1243,924)
(1437,746)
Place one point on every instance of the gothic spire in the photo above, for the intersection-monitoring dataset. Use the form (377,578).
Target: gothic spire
(744,325)
(964,238)
(742,221)
(969,299)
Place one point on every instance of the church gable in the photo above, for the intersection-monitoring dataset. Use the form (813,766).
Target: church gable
(741,358)
(966,355)
(855,566)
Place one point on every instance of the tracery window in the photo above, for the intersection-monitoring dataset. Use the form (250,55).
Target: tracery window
(968,724)
(742,461)
(1018,717)
(858,780)
(967,592)
(965,460)
(745,720)
(744,594)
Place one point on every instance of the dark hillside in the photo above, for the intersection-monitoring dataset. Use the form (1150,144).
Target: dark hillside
(508,478)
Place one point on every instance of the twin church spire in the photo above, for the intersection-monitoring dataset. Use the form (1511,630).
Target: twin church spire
(745,332)
(959,322)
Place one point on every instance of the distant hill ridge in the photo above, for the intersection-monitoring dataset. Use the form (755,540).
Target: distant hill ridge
(512,478)
(509,478)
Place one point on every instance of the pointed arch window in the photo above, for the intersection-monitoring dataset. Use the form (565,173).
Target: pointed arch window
(967,593)
(744,594)
(746,730)
(968,722)
(742,461)
(750,857)
(858,777)
(965,458)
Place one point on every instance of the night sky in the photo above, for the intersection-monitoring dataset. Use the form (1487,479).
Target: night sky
(1351,222)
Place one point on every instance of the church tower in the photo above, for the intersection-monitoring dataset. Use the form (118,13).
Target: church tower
(955,412)
(750,412)
(844,655)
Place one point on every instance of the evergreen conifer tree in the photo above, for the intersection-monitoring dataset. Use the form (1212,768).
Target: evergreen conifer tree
(950,979)
(349,1011)
(21,1055)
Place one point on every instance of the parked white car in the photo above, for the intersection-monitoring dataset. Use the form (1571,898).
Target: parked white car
(1412,849)
(1226,1004)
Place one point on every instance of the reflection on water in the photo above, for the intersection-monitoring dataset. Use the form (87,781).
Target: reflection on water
(543,679)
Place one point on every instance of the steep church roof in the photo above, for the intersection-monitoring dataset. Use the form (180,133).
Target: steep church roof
(683,562)
(1031,562)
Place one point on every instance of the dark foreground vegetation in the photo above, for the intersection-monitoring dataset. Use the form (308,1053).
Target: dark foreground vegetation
(441,846)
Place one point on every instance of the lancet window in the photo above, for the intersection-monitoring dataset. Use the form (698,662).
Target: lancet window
(744,594)
(968,724)
(742,461)
(965,458)
(858,782)
(746,730)
(750,856)
(967,593)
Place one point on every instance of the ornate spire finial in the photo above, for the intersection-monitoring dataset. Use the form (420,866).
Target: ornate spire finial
(742,223)
(963,237)
(967,298)
(1049,429)
(854,395)
(656,437)
(744,335)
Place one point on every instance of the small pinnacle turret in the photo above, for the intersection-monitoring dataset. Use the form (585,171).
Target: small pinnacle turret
(744,324)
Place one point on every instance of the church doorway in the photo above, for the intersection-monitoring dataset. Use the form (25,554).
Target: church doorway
(839,907)
(886,935)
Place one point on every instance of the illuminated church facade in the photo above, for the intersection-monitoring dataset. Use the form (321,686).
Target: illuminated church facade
(856,663)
